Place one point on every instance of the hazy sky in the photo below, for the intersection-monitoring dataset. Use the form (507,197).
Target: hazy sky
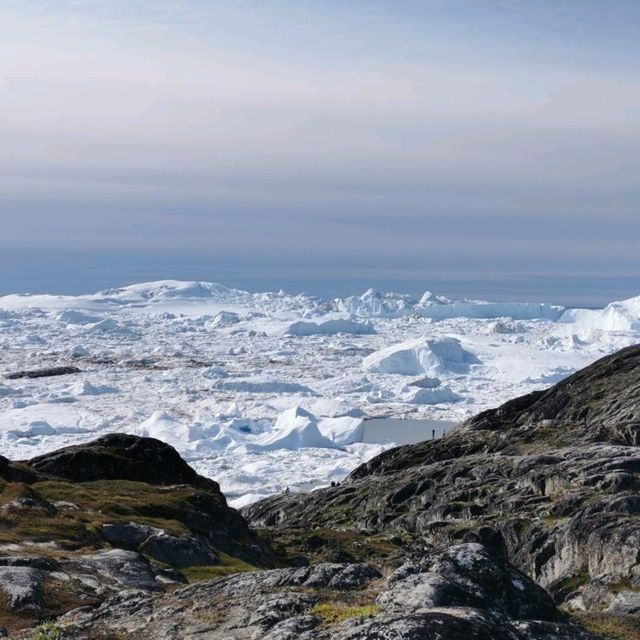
(330,142)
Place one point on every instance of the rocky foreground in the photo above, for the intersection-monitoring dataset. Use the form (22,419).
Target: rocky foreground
(523,524)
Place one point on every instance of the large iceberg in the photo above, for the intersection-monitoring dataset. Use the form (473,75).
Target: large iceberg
(329,327)
(343,430)
(617,316)
(393,305)
(175,290)
(418,357)
(374,303)
(294,429)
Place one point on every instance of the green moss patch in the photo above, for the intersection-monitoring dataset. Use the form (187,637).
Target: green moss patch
(334,545)
(96,503)
(228,566)
(335,613)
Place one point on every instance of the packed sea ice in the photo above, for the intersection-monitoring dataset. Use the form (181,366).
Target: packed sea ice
(264,391)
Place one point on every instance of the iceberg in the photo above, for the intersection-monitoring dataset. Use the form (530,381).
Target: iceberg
(418,357)
(329,328)
(343,431)
(617,316)
(294,429)
(438,395)
(374,304)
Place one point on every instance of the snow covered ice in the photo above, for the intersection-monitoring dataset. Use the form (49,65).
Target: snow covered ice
(417,357)
(263,391)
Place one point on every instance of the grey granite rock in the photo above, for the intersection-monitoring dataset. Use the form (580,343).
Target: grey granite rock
(22,586)
(550,480)
(127,535)
(127,569)
(184,551)
(281,605)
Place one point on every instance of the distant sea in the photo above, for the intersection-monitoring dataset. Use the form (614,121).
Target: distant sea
(323,274)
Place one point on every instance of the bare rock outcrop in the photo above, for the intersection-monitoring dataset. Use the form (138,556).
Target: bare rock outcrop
(550,481)
(463,591)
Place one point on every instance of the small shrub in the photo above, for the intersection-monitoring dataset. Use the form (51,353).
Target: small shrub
(48,631)
(610,626)
(576,581)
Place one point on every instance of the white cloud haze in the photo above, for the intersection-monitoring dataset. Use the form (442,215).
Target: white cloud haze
(288,125)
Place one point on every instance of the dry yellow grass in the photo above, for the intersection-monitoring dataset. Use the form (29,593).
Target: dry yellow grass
(611,627)
(334,612)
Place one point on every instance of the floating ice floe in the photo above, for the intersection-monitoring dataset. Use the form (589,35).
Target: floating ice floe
(342,431)
(617,316)
(225,319)
(108,325)
(75,316)
(214,371)
(551,377)
(329,327)
(332,408)
(174,290)
(294,429)
(480,309)
(426,383)
(35,428)
(416,395)
(85,388)
(196,438)
(375,304)
(194,293)
(263,386)
(568,342)
(503,327)
(232,410)
(163,426)
(416,357)
(78,351)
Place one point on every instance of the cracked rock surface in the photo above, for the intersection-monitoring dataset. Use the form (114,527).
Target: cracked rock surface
(462,591)
(550,481)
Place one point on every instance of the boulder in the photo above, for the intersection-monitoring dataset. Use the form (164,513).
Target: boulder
(127,569)
(127,536)
(121,457)
(340,576)
(22,586)
(468,575)
(179,552)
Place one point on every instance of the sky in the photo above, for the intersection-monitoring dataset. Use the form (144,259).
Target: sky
(476,148)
